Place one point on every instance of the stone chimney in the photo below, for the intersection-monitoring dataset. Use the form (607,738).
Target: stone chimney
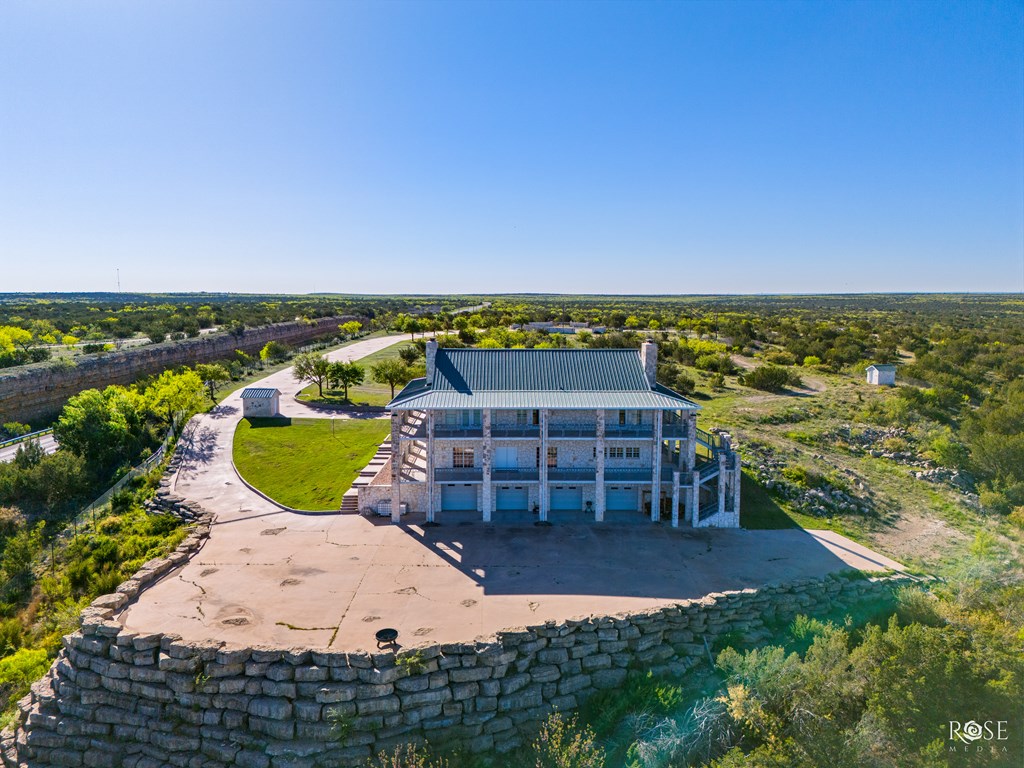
(431,352)
(649,357)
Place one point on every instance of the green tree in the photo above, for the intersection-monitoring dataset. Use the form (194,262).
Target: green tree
(104,428)
(351,328)
(212,375)
(392,373)
(273,352)
(313,368)
(347,375)
(175,395)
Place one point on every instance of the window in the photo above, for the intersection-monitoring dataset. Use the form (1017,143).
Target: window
(622,418)
(639,417)
(522,418)
(463,457)
(536,418)
(632,453)
(613,453)
(552,457)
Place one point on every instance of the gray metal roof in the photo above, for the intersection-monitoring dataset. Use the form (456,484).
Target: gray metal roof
(259,393)
(539,378)
(882,367)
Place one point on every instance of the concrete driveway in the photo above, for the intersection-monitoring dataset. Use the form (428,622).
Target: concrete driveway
(268,576)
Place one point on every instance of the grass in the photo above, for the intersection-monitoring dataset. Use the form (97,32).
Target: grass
(369,393)
(306,463)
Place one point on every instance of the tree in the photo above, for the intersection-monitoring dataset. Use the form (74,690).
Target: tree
(173,396)
(351,328)
(347,375)
(156,334)
(212,374)
(409,355)
(313,368)
(104,428)
(392,373)
(273,351)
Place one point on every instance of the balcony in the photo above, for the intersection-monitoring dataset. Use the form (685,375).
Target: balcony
(677,429)
(641,431)
(570,431)
(515,430)
(515,475)
(458,432)
(579,474)
(458,474)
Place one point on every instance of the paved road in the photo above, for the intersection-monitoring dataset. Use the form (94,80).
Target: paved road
(48,442)
(271,576)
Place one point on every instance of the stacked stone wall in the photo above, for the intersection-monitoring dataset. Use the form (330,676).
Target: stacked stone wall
(120,698)
(34,392)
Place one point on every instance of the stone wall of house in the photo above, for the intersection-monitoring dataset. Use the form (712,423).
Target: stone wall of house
(119,698)
(34,392)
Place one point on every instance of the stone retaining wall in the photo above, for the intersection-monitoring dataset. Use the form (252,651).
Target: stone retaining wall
(119,698)
(35,392)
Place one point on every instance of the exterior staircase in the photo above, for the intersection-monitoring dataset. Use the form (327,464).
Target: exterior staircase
(350,499)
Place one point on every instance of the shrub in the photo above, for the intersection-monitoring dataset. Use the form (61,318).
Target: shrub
(779,357)
(407,756)
(811,360)
(562,743)
(770,378)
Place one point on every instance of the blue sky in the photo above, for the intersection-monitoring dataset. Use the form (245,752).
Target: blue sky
(689,147)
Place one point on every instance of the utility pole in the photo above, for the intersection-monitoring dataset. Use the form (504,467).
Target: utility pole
(118,279)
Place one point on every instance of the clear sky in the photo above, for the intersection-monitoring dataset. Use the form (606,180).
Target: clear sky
(687,147)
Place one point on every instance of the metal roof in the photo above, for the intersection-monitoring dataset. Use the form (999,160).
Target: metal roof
(584,379)
(259,393)
(882,367)
(560,370)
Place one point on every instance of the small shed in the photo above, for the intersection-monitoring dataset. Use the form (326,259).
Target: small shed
(882,374)
(260,402)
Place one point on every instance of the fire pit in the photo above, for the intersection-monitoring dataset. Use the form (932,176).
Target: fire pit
(386,636)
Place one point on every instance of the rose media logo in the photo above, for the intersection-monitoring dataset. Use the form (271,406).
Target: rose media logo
(983,735)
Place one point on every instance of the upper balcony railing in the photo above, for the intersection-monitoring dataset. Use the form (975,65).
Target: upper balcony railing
(466,474)
(515,475)
(559,474)
(515,430)
(458,431)
(640,431)
(572,430)
(674,428)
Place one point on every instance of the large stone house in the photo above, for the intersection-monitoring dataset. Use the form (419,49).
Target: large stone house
(542,434)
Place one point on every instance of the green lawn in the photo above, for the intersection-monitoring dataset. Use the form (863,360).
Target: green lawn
(367,393)
(306,463)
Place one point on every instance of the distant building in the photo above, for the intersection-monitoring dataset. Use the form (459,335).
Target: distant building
(882,375)
(260,402)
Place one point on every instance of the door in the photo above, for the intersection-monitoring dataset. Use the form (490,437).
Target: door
(506,458)
(456,498)
(567,498)
(618,499)
(512,499)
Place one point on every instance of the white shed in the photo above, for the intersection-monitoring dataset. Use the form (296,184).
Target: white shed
(260,402)
(882,374)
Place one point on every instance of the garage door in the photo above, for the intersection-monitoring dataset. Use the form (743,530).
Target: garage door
(567,498)
(458,497)
(620,499)
(512,499)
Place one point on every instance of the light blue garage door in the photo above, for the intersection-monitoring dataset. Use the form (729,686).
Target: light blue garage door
(568,498)
(512,499)
(619,499)
(456,498)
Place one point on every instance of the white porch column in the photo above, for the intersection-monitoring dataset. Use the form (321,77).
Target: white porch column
(430,466)
(736,485)
(656,469)
(396,466)
(487,449)
(691,443)
(543,468)
(675,498)
(599,498)
(722,478)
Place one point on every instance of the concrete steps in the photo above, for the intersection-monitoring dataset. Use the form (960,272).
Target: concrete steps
(350,499)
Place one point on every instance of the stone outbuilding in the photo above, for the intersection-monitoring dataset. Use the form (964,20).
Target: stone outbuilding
(261,402)
(882,375)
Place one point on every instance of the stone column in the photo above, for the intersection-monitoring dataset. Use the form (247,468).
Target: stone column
(543,468)
(396,466)
(656,469)
(694,512)
(430,466)
(722,478)
(675,499)
(691,443)
(488,449)
(738,475)
(599,498)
